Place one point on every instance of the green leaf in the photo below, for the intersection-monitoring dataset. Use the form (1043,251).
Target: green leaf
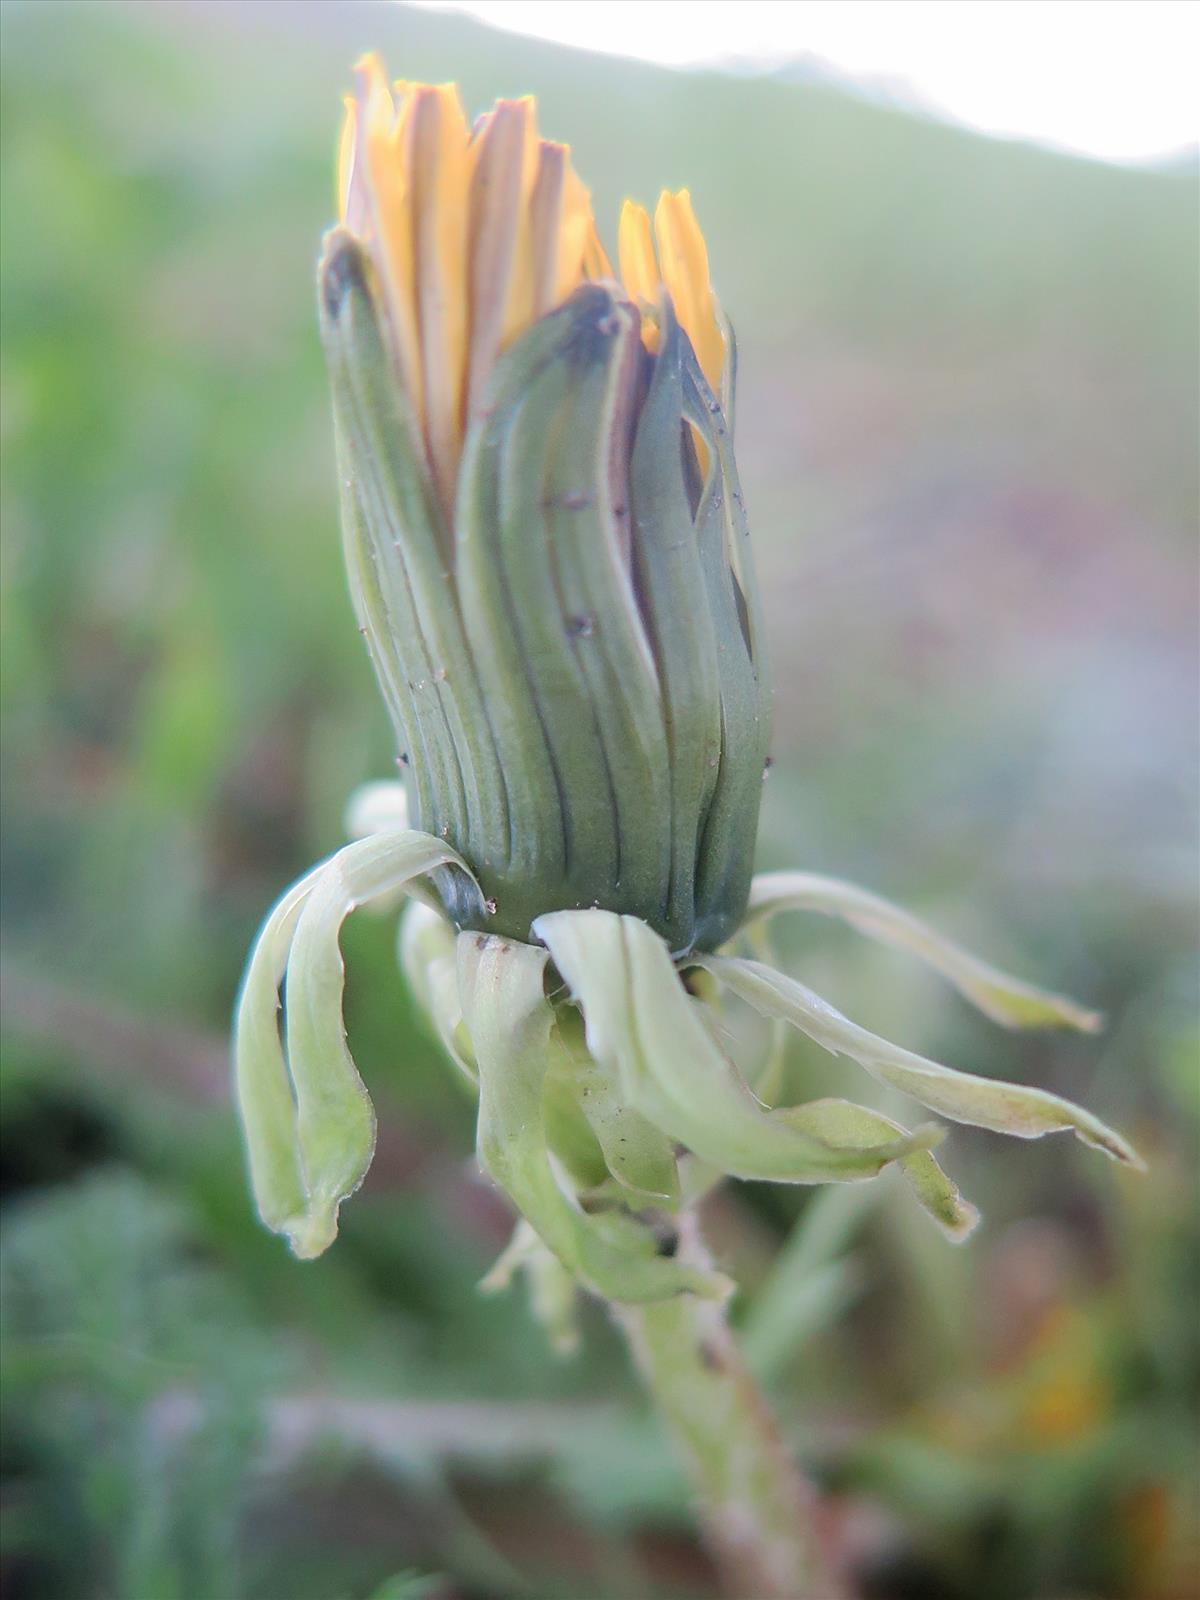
(585,512)
(509,1020)
(1008,1001)
(430,965)
(261,1082)
(306,1115)
(983,1102)
(674,601)
(641,1022)
(726,854)
(842,1123)
(639,1156)
(398,551)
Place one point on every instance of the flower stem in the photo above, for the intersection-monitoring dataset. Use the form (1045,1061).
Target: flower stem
(757,1512)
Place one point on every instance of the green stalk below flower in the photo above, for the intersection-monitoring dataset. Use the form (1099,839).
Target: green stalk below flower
(756,1511)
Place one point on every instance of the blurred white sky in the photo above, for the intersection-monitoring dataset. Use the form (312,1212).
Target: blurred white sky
(1118,79)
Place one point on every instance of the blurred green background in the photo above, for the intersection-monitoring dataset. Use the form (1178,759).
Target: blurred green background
(967,434)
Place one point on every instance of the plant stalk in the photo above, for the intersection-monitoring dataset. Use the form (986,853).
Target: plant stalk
(757,1511)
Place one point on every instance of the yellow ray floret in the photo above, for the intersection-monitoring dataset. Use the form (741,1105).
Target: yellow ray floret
(476,233)
(681,267)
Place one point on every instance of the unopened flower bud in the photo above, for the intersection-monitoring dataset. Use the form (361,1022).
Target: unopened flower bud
(548,554)
(543,524)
